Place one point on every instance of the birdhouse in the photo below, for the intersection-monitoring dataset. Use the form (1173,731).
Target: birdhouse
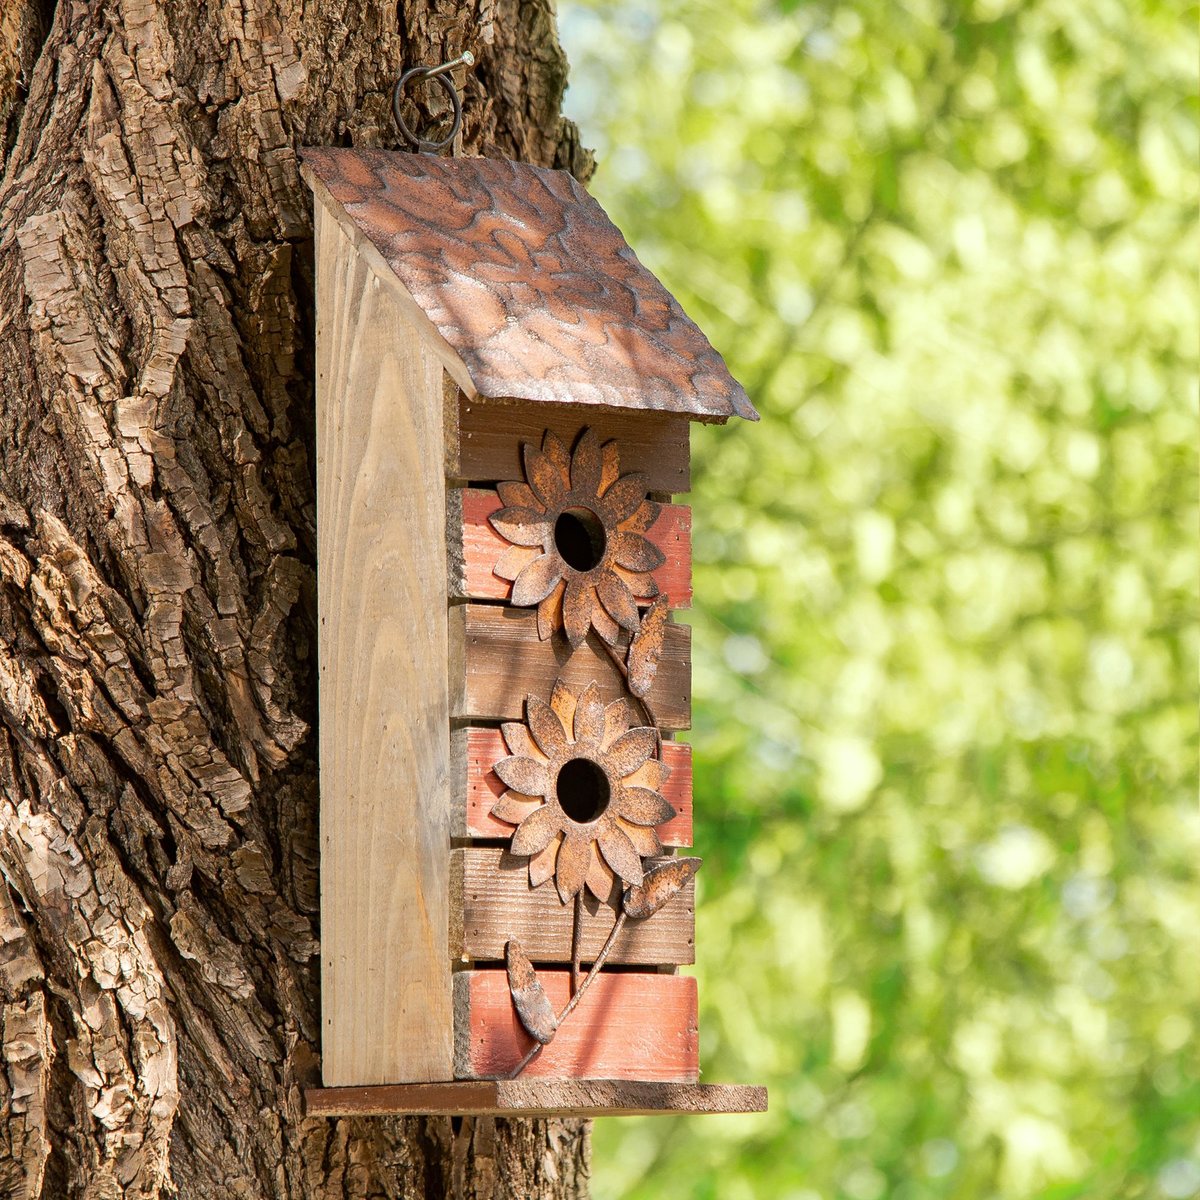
(504,400)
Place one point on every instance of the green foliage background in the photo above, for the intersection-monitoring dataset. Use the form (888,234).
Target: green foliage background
(945,634)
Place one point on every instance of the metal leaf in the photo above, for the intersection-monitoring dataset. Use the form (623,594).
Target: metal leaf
(658,886)
(646,647)
(529,997)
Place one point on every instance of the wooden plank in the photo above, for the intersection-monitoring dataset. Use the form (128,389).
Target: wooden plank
(473,548)
(491,901)
(497,659)
(384,736)
(490,433)
(475,788)
(627,1026)
(536,1098)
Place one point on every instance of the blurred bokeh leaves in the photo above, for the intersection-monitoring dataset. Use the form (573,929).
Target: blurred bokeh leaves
(945,628)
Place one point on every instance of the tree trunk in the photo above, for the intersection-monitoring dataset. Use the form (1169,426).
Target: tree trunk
(158,782)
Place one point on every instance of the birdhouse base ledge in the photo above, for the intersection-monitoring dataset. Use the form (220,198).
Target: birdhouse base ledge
(534,1098)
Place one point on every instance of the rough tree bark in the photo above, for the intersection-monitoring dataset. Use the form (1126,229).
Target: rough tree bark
(158,912)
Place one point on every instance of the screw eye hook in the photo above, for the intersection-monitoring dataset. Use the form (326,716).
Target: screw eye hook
(442,75)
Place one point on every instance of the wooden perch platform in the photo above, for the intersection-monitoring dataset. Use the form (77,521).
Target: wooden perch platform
(534,1098)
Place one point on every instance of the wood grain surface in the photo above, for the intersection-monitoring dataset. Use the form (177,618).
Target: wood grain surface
(491,901)
(384,730)
(535,1097)
(497,659)
(473,548)
(475,788)
(484,439)
(628,1026)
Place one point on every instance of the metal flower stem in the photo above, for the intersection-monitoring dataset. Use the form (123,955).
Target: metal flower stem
(621,666)
(577,942)
(573,1003)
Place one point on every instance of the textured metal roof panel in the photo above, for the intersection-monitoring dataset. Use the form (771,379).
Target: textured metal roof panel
(526,278)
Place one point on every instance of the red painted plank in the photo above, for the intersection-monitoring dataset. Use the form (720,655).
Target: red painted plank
(482,546)
(475,750)
(628,1026)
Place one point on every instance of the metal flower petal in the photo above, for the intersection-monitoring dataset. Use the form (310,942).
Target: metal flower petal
(548,731)
(619,853)
(631,749)
(573,856)
(634,552)
(588,520)
(589,715)
(537,831)
(520,526)
(537,580)
(579,795)
(643,807)
(513,808)
(525,775)
(516,494)
(618,601)
(622,500)
(586,465)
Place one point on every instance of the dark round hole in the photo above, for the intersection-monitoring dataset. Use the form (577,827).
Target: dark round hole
(583,791)
(580,538)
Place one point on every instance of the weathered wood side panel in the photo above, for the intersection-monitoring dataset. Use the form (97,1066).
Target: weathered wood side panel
(474,548)
(485,437)
(491,901)
(497,660)
(475,788)
(628,1026)
(384,737)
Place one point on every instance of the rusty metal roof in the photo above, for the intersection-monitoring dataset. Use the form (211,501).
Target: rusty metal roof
(533,287)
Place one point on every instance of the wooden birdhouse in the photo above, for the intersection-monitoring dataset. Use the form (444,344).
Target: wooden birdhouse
(503,406)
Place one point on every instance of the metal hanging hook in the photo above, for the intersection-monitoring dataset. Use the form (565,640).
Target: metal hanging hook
(442,75)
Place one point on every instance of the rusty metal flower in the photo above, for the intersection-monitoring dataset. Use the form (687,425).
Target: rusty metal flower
(576,530)
(583,792)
